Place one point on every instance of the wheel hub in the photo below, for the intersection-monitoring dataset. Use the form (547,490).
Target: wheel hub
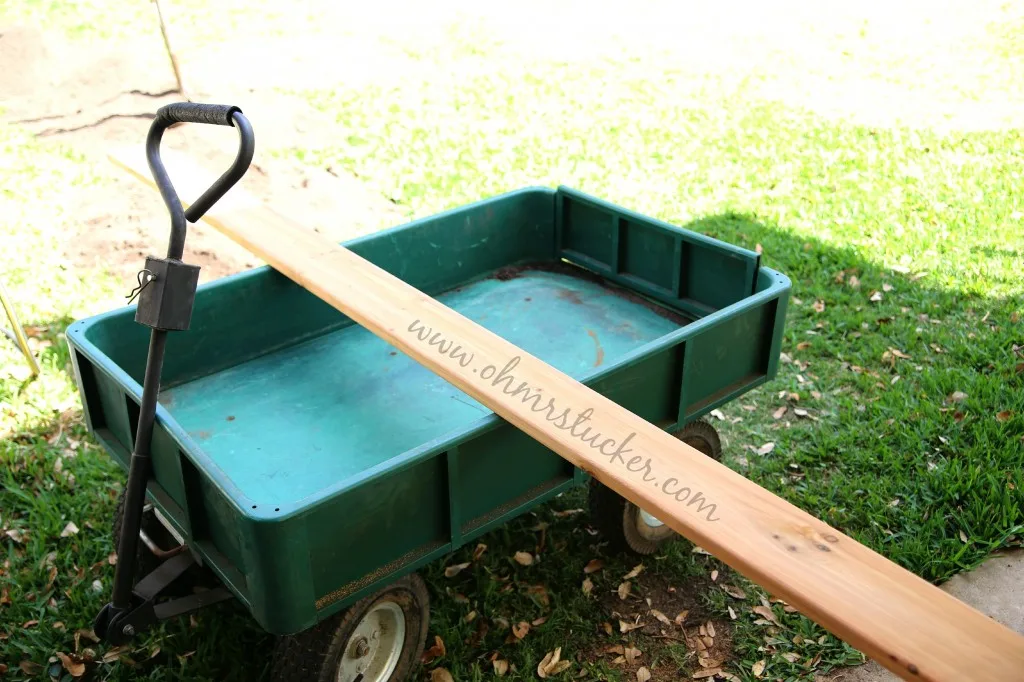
(375,646)
(650,519)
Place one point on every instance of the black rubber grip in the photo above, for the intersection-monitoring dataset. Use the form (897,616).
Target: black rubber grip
(194,112)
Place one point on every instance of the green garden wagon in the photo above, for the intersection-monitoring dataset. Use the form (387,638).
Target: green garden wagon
(312,468)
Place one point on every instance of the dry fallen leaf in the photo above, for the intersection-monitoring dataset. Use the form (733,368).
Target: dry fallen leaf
(734,592)
(876,296)
(766,448)
(819,306)
(540,592)
(710,672)
(767,613)
(623,590)
(1003,416)
(958,416)
(634,573)
(717,414)
(524,558)
(705,662)
(681,617)
(69,530)
(607,627)
(551,664)
(957,397)
(643,674)
(441,675)
(887,287)
(567,512)
(76,668)
(479,551)
(803,345)
(625,627)
(732,614)
(537,622)
(588,586)
(430,654)
(470,617)
(758,668)
(452,571)
(791,657)
(963,537)
(520,629)
(661,616)
(779,413)
(711,629)
(500,666)
(30,668)
(631,653)
(593,566)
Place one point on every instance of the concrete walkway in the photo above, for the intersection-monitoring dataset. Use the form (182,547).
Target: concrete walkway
(996,588)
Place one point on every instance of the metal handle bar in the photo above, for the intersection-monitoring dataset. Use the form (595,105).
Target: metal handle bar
(191,112)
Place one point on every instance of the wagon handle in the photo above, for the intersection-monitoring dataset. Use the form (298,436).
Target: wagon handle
(193,112)
(165,304)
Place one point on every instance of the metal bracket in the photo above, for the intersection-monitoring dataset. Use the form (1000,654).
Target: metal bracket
(117,625)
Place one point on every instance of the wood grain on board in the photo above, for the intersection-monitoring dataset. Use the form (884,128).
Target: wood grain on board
(905,623)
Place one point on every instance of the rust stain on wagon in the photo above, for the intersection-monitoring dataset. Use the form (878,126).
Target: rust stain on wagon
(600,351)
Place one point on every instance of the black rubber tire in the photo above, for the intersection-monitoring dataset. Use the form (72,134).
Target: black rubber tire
(312,656)
(618,519)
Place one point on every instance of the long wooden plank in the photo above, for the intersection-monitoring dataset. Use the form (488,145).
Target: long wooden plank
(903,622)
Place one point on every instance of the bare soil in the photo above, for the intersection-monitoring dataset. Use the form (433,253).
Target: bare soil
(93,101)
(652,595)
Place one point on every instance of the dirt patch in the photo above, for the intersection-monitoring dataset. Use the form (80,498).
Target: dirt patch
(665,619)
(99,99)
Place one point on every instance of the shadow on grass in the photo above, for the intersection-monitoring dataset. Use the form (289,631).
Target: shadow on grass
(914,445)
(886,450)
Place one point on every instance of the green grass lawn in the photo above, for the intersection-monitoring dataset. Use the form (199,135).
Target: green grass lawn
(897,415)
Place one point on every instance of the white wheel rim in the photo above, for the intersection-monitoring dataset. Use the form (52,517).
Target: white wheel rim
(372,651)
(650,520)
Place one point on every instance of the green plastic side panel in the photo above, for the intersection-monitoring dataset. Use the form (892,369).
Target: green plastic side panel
(727,358)
(375,528)
(500,470)
(166,466)
(649,387)
(686,270)
(115,411)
